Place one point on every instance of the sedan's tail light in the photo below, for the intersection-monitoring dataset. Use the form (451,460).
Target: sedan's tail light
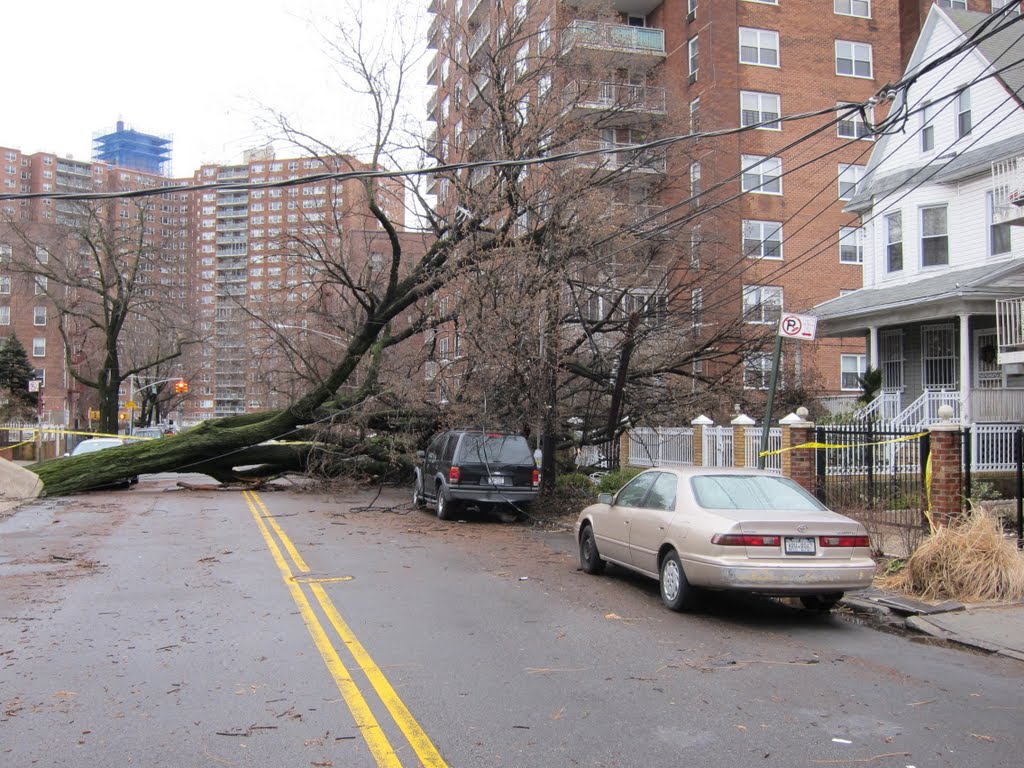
(536,478)
(745,540)
(844,541)
(454,475)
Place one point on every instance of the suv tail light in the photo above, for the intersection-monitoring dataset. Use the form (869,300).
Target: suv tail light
(454,475)
(536,478)
(844,541)
(745,540)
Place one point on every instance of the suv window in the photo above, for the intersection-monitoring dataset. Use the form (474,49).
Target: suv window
(495,449)
(449,447)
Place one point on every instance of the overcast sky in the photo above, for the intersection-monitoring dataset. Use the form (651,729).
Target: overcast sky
(194,70)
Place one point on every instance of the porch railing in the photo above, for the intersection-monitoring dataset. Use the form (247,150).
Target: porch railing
(885,407)
(925,410)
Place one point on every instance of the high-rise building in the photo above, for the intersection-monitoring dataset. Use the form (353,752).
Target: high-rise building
(753,206)
(132,149)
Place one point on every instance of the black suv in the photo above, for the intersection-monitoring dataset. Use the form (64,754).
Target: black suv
(474,467)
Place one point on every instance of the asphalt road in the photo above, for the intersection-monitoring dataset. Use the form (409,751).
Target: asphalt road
(165,627)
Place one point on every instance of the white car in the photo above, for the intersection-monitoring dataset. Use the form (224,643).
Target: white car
(726,529)
(94,444)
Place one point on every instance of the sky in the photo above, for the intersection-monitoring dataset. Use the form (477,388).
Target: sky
(202,72)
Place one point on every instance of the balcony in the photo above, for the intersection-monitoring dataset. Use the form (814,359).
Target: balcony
(1008,191)
(432,107)
(477,10)
(632,7)
(434,32)
(613,156)
(432,72)
(481,36)
(645,41)
(1010,330)
(648,220)
(240,173)
(624,98)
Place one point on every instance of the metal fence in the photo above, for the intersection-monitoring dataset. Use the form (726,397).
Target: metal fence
(880,472)
(661,447)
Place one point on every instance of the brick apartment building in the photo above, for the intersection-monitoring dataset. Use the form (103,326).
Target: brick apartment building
(239,268)
(760,211)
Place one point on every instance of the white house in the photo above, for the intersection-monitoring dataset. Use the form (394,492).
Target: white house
(943,245)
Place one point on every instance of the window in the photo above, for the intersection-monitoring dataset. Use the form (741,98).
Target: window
(40,285)
(762,175)
(852,124)
(695,181)
(694,50)
(894,242)
(860,8)
(853,59)
(5,284)
(695,115)
(522,60)
(757,371)
(851,245)
(759,46)
(762,304)
(691,7)
(697,307)
(928,127)
(963,113)
(939,364)
(39,346)
(934,236)
(6,253)
(39,316)
(696,238)
(849,177)
(5,315)
(762,239)
(852,368)
(998,5)
(758,107)
(960,4)
(999,234)
(42,255)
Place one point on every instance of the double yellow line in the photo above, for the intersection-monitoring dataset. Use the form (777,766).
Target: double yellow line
(365,721)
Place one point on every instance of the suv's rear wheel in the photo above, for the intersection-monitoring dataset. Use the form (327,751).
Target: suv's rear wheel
(446,508)
(418,499)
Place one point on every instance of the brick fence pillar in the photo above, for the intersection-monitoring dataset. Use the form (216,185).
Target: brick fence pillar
(740,425)
(946,491)
(698,425)
(799,464)
(623,450)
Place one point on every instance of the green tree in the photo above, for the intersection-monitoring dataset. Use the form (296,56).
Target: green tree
(15,373)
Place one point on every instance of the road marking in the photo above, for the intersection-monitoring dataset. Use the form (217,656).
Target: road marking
(366,723)
(418,739)
(320,579)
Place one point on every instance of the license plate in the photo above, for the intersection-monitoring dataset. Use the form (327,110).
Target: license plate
(799,545)
(495,481)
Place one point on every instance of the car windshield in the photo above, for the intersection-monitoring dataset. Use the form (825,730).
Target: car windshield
(497,449)
(752,492)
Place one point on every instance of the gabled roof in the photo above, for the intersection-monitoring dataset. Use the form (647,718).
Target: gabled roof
(1002,51)
(984,282)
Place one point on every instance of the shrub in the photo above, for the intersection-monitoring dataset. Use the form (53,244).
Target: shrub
(617,478)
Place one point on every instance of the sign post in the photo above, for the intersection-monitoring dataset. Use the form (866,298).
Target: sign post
(801,327)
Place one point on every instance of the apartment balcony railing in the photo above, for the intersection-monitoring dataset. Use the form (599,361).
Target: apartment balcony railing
(1008,191)
(233,174)
(235,198)
(614,156)
(477,10)
(432,72)
(1010,330)
(432,106)
(617,37)
(625,97)
(434,31)
(643,218)
(481,36)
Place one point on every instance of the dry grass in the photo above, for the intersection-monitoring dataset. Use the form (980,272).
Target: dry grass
(969,561)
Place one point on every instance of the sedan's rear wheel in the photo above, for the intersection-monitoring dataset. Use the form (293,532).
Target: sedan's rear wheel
(590,559)
(823,603)
(676,592)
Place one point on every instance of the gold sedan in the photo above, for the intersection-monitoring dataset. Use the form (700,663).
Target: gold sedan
(726,529)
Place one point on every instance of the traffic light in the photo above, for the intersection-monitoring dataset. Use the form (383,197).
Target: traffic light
(181,387)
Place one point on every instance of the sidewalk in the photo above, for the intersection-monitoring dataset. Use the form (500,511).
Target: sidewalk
(992,627)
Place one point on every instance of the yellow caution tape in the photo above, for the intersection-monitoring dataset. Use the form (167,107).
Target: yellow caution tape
(840,446)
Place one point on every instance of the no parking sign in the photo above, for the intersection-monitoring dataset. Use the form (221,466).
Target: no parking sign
(798,326)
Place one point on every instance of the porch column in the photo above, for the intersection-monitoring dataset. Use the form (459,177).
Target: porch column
(965,370)
(872,346)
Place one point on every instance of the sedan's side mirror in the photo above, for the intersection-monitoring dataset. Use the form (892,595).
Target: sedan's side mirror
(605,498)
(421,454)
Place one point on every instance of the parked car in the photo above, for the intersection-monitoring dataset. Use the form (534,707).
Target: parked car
(472,467)
(94,444)
(150,432)
(726,529)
